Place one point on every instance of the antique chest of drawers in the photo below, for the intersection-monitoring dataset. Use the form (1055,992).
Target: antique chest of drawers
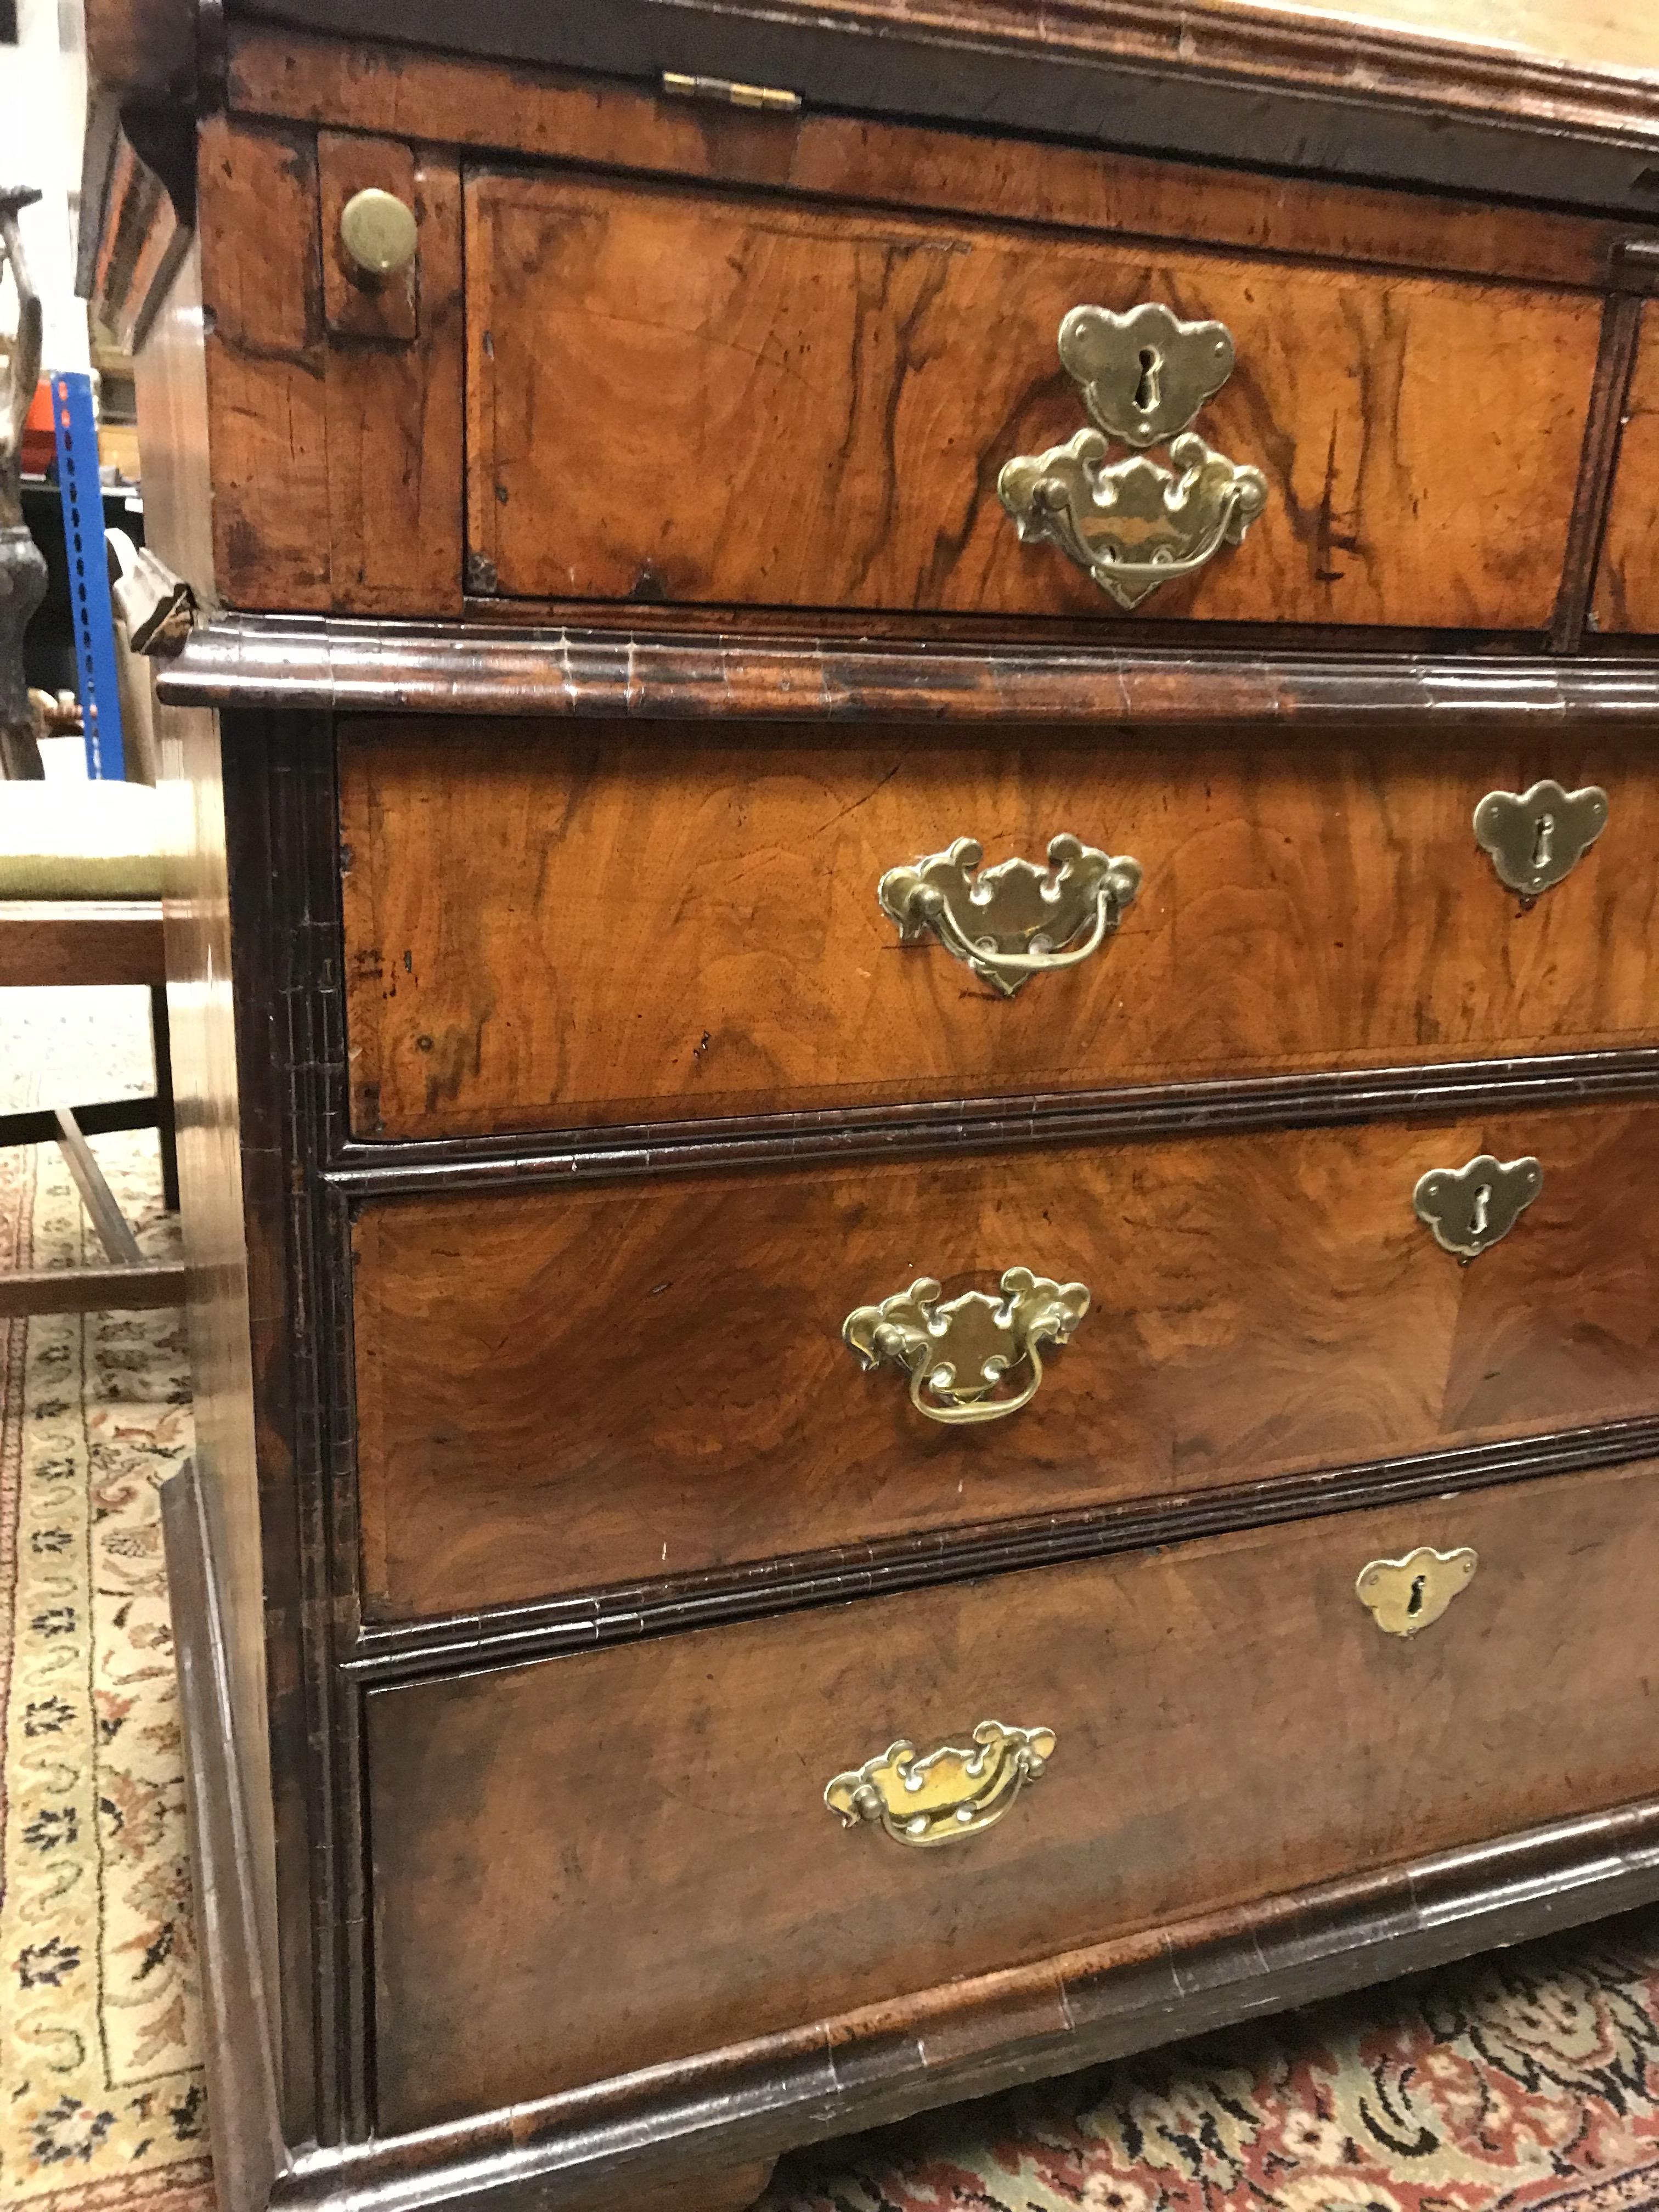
(916,803)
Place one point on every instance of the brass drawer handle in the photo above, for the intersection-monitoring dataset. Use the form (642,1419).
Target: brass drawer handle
(1469,1208)
(1537,837)
(1403,1595)
(958,1354)
(950,1793)
(1132,524)
(1016,919)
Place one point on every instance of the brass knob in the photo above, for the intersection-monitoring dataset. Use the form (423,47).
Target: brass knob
(377,230)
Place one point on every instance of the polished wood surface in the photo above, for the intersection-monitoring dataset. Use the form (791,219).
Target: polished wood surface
(1626,596)
(609,1861)
(532,1187)
(548,115)
(561,1389)
(1238,84)
(547,929)
(810,408)
(659,667)
(336,460)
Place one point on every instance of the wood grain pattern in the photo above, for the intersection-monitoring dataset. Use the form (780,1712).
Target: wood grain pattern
(336,456)
(548,115)
(559,1897)
(559,1390)
(810,408)
(1627,580)
(394,416)
(547,929)
(262,299)
(57,942)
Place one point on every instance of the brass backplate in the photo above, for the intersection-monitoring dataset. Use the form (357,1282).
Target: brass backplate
(1536,837)
(1469,1208)
(950,1793)
(1404,1595)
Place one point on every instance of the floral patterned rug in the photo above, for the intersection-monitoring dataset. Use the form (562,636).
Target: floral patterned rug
(1525,2081)
(100,2037)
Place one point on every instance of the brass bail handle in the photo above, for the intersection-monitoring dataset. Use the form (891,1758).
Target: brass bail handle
(1019,919)
(1134,523)
(957,1791)
(956,1353)
(933,909)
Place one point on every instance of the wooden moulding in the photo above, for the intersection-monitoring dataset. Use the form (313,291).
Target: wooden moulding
(671,1604)
(600,2145)
(1247,84)
(358,1171)
(343,666)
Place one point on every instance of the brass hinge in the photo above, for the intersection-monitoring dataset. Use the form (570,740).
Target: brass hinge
(771,97)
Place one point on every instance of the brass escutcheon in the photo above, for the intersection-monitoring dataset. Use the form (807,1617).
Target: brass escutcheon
(959,1354)
(1536,837)
(1404,1595)
(1016,919)
(1132,524)
(950,1794)
(1469,1208)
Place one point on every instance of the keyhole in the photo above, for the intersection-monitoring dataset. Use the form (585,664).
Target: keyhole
(1147,390)
(1481,1216)
(1414,1602)
(1543,838)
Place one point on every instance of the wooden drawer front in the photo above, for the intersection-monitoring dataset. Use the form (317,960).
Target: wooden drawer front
(605,1860)
(548,928)
(698,398)
(565,1389)
(1627,576)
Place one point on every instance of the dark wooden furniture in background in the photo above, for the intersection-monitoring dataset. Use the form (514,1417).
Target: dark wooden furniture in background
(609,581)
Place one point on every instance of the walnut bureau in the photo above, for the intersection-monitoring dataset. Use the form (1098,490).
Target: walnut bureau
(917,758)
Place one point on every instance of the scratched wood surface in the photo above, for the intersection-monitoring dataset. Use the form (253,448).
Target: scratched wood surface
(1626,595)
(546,114)
(621,1857)
(335,451)
(566,1388)
(550,926)
(733,399)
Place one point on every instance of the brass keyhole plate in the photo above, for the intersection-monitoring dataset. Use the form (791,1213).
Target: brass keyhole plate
(1404,1596)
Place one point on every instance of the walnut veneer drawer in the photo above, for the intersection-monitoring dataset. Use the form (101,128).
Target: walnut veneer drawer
(604,1860)
(547,927)
(564,1388)
(694,397)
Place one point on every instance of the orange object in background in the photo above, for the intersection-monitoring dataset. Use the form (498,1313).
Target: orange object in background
(39,438)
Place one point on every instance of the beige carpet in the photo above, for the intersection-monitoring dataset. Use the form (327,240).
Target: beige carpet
(1521,2082)
(99,2065)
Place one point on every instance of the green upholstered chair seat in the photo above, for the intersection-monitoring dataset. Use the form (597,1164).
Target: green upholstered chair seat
(67,839)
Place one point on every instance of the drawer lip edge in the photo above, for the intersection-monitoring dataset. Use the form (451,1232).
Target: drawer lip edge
(1105,2001)
(359,1169)
(393,1653)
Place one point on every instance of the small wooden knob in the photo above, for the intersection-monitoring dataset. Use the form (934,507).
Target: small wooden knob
(377,230)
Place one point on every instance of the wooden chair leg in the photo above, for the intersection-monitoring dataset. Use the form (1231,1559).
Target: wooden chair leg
(120,1245)
(166,1127)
